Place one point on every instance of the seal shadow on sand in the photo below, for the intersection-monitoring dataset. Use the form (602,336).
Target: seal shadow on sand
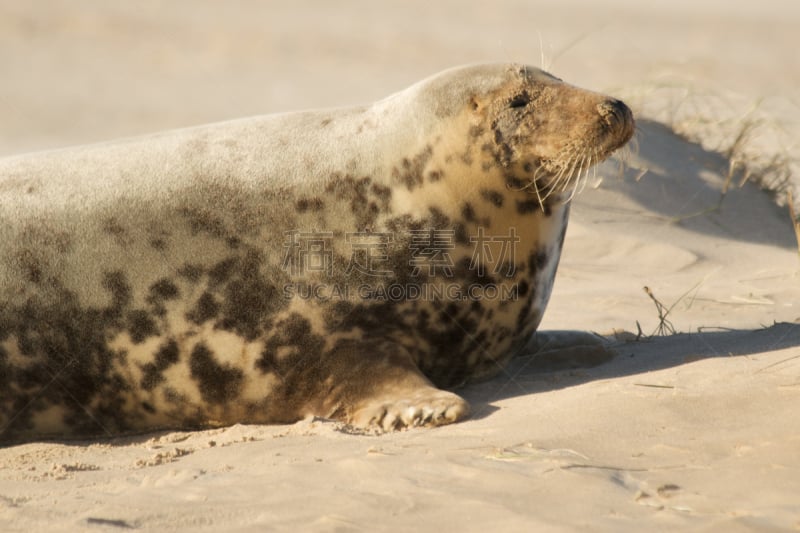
(560,359)
(683,183)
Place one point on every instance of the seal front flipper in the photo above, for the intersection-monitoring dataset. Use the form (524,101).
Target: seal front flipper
(417,403)
(382,388)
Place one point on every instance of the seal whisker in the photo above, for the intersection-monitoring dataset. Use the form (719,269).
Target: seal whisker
(576,179)
(591,172)
(535,183)
(552,187)
(582,173)
(591,169)
(562,176)
(570,175)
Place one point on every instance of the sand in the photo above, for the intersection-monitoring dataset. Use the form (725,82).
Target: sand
(617,420)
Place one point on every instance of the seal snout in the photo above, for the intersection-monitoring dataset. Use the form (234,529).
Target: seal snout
(619,119)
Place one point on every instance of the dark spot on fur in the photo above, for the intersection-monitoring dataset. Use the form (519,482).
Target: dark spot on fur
(383,193)
(218,383)
(117,284)
(493,197)
(531,205)
(147,406)
(514,182)
(481,337)
(158,244)
(223,270)
(468,212)
(476,306)
(295,341)
(473,276)
(409,171)
(152,373)
(356,192)
(191,273)
(334,311)
(201,220)
(141,326)
(503,154)
(248,299)
(537,261)
(163,289)
(207,308)
(113,227)
(309,204)
(373,210)
(30,267)
(435,175)
(437,218)
(524,287)
(527,315)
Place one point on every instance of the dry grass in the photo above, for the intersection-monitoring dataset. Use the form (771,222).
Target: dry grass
(758,147)
(795,221)
(665,327)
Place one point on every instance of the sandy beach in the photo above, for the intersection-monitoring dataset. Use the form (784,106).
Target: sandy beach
(662,391)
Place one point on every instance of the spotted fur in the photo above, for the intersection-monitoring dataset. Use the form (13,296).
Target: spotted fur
(150,283)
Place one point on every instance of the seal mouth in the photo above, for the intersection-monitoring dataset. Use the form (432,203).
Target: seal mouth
(571,169)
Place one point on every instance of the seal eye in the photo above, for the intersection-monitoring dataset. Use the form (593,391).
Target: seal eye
(521,100)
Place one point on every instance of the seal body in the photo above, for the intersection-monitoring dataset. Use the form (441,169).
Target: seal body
(343,263)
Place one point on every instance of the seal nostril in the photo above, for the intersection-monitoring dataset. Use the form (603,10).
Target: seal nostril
(615,113)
